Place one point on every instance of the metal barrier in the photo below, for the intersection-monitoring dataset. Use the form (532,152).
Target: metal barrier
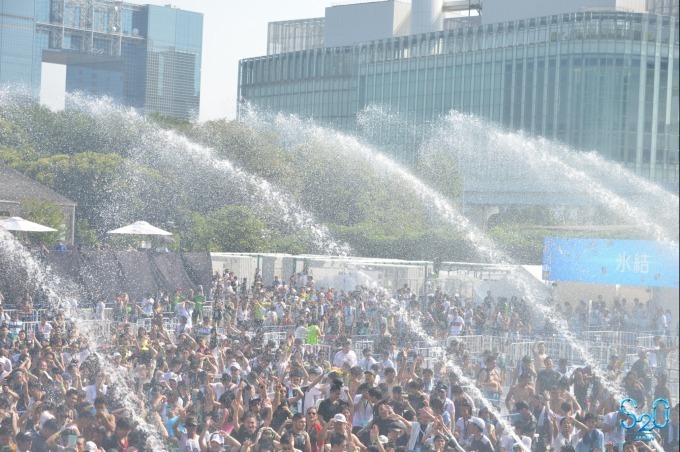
(359,343)
(321,351)
(278,336)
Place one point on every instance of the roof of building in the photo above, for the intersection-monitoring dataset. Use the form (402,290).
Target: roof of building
(15,187)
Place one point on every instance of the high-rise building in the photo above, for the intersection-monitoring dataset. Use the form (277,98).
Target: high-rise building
(148,57)
(600,75)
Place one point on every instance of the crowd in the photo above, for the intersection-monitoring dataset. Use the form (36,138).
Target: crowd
(214,382)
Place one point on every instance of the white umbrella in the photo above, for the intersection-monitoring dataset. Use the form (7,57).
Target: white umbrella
(140,228)
(19,224)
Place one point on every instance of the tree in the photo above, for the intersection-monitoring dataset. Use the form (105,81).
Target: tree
(88,179)
(47,214)
(228,229)
(440,171)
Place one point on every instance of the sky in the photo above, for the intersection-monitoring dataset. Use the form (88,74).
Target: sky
(232,30)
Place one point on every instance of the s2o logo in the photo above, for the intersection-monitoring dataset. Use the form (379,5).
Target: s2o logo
(648,420)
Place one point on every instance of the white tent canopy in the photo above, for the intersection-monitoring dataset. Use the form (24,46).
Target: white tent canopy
(19,224)
(140,228)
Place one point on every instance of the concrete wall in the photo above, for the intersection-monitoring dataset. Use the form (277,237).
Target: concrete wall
(426,16)
(349,24)
(508,10)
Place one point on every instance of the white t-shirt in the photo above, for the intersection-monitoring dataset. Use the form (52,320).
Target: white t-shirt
(560,440)
(456,325)
(187,444)
(46,330)
(509,441)
(301,333)
(366,363)
(363,414)
(147,306)
(341,357)
(185,312)
(91,392)
(618,435)
(100,310)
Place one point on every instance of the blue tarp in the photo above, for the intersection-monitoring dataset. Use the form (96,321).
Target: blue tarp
(598,261)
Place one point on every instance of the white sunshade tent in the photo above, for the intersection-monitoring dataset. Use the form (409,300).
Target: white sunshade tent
(19,224)
(140,228)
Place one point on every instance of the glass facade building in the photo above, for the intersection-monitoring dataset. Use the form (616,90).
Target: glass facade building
(147,57)
(606,80)
(294,35)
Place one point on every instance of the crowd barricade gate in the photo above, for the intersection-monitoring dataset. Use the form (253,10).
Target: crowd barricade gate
(321,351)
(359,343)
(518,350)
(278,336)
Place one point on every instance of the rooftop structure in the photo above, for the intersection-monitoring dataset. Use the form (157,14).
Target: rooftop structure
(599,78)
(15,188)
(148,57)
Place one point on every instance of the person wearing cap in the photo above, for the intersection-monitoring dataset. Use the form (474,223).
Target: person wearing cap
(339,425)
(235,371)
(397,401)
(187,437)
(478,441)
(222,386)
(397,434)
(440,392)
(369,377)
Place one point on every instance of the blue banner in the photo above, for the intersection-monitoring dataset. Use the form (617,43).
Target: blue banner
(625,262)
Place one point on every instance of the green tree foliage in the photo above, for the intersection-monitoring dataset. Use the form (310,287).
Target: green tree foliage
(85,235)
(439,170)
(88,178)
(228,229)
(47,214)
(110,164)
(524,243)
(255,151)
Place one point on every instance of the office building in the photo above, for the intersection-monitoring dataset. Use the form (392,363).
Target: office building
(595,75)
(147,57)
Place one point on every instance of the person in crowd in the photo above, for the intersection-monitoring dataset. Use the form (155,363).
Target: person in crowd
(590,438)
(250,368)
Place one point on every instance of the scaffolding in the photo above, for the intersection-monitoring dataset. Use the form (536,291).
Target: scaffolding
(88,26)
